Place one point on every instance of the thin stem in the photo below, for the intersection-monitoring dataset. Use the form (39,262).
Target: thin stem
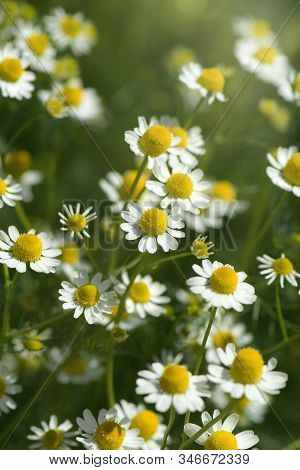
(110,378)
(21,129)
(43,324)
(295,445)
(279,312)
(282,344)
(136,180)
(272,216)
(156,263)
(10,289)
(169,427)
(194,113)
(23,217)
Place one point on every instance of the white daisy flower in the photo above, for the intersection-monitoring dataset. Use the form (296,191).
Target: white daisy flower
(263,59)
(258,29)
(154,226)
(17,250)
(35,46)
(289,87)
(71,31)
(10,192)
(153,140)
(282,267)
(8,387)
(172,384)
(244,373)
(285,169)
(220,436)
(53,436)
(128,321)
(32,341)
(76,221)
(109,431)
(181,188)
(15,80)
(86,297)
(146,421)
(207,81)
(145,296)
(80,367)
(221,285)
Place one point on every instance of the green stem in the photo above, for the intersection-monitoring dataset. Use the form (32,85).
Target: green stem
(156,263)
(194,113)
(43,324)
(272,216)
(21,129)
(282,344)
(136,180)
(22,216)
(110,378)
(169,427)
(279,312)
(10,289)
(295,445)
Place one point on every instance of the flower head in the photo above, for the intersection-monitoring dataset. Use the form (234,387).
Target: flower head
(79,368)
(207,81)
(76,221)
(10,192)
(201,248)
(8,387)
(53,436)
(282,267)
(285,169)
(15,79)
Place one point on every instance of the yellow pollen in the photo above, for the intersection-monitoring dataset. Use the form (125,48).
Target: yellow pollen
(266,55)
(146,422)
(156,140)
(2,387)
(175,379)
(212,79)
(109,436)
(54,107)
(71,26)
(73,95)
(28,248)
(33,344)
(70,254)
(291,171)
(180,132)
(75,365)
(38,43)
(53,439)
(3,187)
(241,404)
(224,280)
(87,295)
(283,266)
(11,70)
(140,293)
(154,222)
(180,185)
(223,189)
(221,440)
(222,338)
(297,84)
(76,222)
(16,163)
(247,366)
(128,179)
(261,28)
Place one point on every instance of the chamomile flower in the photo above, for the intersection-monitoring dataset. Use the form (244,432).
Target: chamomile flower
(244,373)
(202,248)
(146,421)
(224,199)
(79,368)
(221,286)
(289,87)
(285,169)
(90,298)
(18,250)
(207,81)
(127,322)
(71,258)
(66,67)
(53,436)
(8,387)
(153,140)
(145,296)
(263,59)
(110,431)
(181,188)
(33,341)
(15,79)
(258,29)
(71,31)
(153,226)
(220,436)
(10,192)
(172,385)
(76,221)
(282,267)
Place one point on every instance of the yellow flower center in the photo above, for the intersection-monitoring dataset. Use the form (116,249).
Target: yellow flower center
(241,404)
(140,293)
(33,344)
(175,379)
(38,43)
(291,170)
(11,70)
(128,179)
(75,365)
(156,140)
(222,338)
(247,366)
(221,440)
(3,187)
(283,266)
(71,26)
(53,439)
(261,28)
(16,163)
(109,436)
(297,84)
(87,295)
(70,254)
(76,222)
(154,222)
(180,132)
(66,67)
(224,280)
(28,248)
(266,55)
(73,95)
(180,185)
(223,189)
(268,107)
(146,422)
(212,79)
(54,107)
(200,249)
(2,387)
